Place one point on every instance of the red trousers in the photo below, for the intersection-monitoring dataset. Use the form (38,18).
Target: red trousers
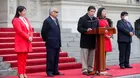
(21,57)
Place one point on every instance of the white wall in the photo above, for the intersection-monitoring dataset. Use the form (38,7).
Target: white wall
(12,5)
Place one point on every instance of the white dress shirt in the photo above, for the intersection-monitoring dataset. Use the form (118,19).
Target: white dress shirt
(54,19)
(25,22)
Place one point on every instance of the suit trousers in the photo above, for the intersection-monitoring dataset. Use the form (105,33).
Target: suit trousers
(124,53)
(87,57)
(22,62)
(52,60)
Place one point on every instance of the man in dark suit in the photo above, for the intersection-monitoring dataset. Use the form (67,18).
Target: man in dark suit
(125,33)
(51,35)
(87,42)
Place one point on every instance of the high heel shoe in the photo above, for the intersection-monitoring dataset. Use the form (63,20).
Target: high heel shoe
(20,76)
(25,76)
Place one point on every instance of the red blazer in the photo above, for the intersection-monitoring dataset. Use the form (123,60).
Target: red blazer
(108,44)
(22,35)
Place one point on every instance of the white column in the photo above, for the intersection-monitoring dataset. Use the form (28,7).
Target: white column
(12,5)
(7,12)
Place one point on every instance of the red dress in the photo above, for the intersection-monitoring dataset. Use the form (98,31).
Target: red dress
(108,45)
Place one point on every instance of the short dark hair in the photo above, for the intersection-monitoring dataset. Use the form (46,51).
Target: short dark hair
(124,13)
(91,7)
(19,9)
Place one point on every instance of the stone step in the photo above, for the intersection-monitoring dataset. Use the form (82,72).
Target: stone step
(113,58)
(8,72)
(67,40)
(68,35)
(78,49)
(5,69)
(73,44)
(64,30)
(64,44)
(117,53)
(37,30)
(4,66)
(116,57)
(77,39)
(75,54)
(78,35)
(71,49)
(116,62)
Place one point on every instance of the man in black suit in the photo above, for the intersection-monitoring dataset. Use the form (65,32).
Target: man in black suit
(51,35)
(87,42)
(125,33)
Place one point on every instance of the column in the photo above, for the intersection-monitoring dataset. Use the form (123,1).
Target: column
(3,13)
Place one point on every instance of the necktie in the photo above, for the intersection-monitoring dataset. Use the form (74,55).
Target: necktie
(55,21)
(128,25)
(91,18)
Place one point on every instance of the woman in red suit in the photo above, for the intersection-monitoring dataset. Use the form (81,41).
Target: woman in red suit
(105,22)
(23,39)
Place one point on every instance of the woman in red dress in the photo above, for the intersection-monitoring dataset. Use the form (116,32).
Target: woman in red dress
(105,22)
(23,39)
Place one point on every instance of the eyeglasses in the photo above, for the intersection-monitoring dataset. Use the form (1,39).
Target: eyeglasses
(56,11)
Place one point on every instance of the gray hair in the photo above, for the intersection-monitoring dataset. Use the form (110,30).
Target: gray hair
(51,9)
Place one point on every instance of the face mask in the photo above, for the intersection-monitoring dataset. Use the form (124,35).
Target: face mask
(126,18)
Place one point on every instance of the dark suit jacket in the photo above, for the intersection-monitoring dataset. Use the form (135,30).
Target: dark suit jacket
(87,41)
(51,33)
(124,30)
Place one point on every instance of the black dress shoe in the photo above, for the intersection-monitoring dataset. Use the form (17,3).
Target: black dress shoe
(86,73)
(50,75)
(122,67)
(128,66)
(58,74)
